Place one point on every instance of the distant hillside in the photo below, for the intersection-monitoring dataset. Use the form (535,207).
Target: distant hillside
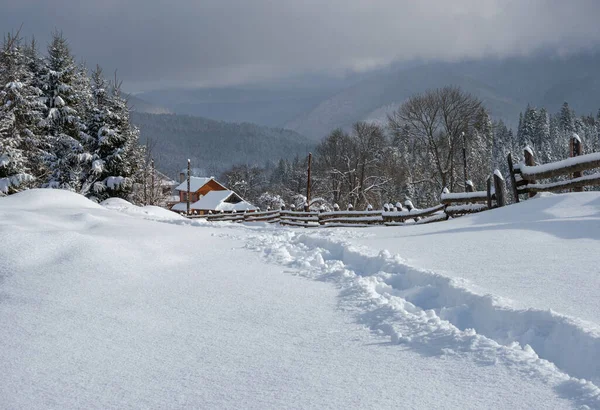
(269,107)
(139,105)
(316,105)
(214,145)
(506,87)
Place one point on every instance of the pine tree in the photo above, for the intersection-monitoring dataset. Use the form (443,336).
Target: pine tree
(119,158)
(69,162)
(566,120)
(20,114)
(527,134)
(542,142)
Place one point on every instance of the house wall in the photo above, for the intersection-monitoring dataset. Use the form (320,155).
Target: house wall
(211,185)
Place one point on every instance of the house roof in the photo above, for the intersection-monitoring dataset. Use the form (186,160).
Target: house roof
(179,207)
(195,184)
(217,201)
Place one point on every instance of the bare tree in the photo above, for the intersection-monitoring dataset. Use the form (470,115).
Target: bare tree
(432,124)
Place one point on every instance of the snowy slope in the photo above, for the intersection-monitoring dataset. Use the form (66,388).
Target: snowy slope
(129,308)
(524,278)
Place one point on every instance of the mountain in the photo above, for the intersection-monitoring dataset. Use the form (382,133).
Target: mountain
(214,145)
(139,105)
(505,86)
(313,106)
(264,106)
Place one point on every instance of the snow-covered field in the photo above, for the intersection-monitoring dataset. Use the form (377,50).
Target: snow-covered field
(116,306)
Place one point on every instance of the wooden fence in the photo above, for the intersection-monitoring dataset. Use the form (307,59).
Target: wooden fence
(524,176)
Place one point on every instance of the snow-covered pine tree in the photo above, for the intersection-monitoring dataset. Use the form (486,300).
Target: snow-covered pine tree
(527,134)
(503,144)
(566,119)
(20,115)
(119,158)
(38,147)
(542,142)
(68,161)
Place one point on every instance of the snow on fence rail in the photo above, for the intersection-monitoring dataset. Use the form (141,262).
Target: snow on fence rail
(416,215)
(350,218)
(525,175)
(230,217)
(268,216)
(296,218)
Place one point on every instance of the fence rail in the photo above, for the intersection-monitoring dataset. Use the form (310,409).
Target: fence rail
(525,175)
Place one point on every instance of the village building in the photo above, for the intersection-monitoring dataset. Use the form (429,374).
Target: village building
(207,195)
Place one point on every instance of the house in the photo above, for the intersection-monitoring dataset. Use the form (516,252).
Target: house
(207,195)
(199,186)
(221,201)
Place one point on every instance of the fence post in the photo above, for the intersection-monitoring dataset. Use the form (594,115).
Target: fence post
(469,186)
(499,188)
(530,162)
(513,180)
(576,149)
(489,192)
(188,189)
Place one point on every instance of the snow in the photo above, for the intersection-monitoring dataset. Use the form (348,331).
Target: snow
(180,207)
(114,182)
(216,201)
(529,150)
(147,212)
(582,159)
(465,208)
(195,184)
(453,196)
(551,185)
(102,308)
(499,174)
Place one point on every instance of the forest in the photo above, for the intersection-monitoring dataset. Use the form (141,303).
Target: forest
(62,126)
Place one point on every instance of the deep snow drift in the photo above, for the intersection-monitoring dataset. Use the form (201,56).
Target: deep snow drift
(117,306)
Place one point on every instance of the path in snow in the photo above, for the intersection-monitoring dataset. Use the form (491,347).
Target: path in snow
(435,316)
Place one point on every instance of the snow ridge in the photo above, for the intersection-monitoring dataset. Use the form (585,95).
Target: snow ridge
(437,315)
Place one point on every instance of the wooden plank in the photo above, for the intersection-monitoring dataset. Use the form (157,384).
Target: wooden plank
(588,161)
(455,210)
(353,220)
(489,191)
(530,162)
(513,181)
(588,180)
(499,189)
(348,214)
(466,197)
(414,214)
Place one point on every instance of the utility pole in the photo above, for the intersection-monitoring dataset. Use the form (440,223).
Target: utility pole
(188,187)
(308,180)
(153,192)
(146,182)
(465,158)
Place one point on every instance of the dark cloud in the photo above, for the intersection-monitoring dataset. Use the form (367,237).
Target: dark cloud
(215,42)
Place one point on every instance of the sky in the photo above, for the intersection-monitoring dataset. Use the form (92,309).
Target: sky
(155,43)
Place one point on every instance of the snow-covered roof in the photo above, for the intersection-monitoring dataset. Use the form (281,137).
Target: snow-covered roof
(195,184)
(217,201)
(179,207)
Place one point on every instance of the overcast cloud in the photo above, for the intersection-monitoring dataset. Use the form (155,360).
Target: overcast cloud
(217,42)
